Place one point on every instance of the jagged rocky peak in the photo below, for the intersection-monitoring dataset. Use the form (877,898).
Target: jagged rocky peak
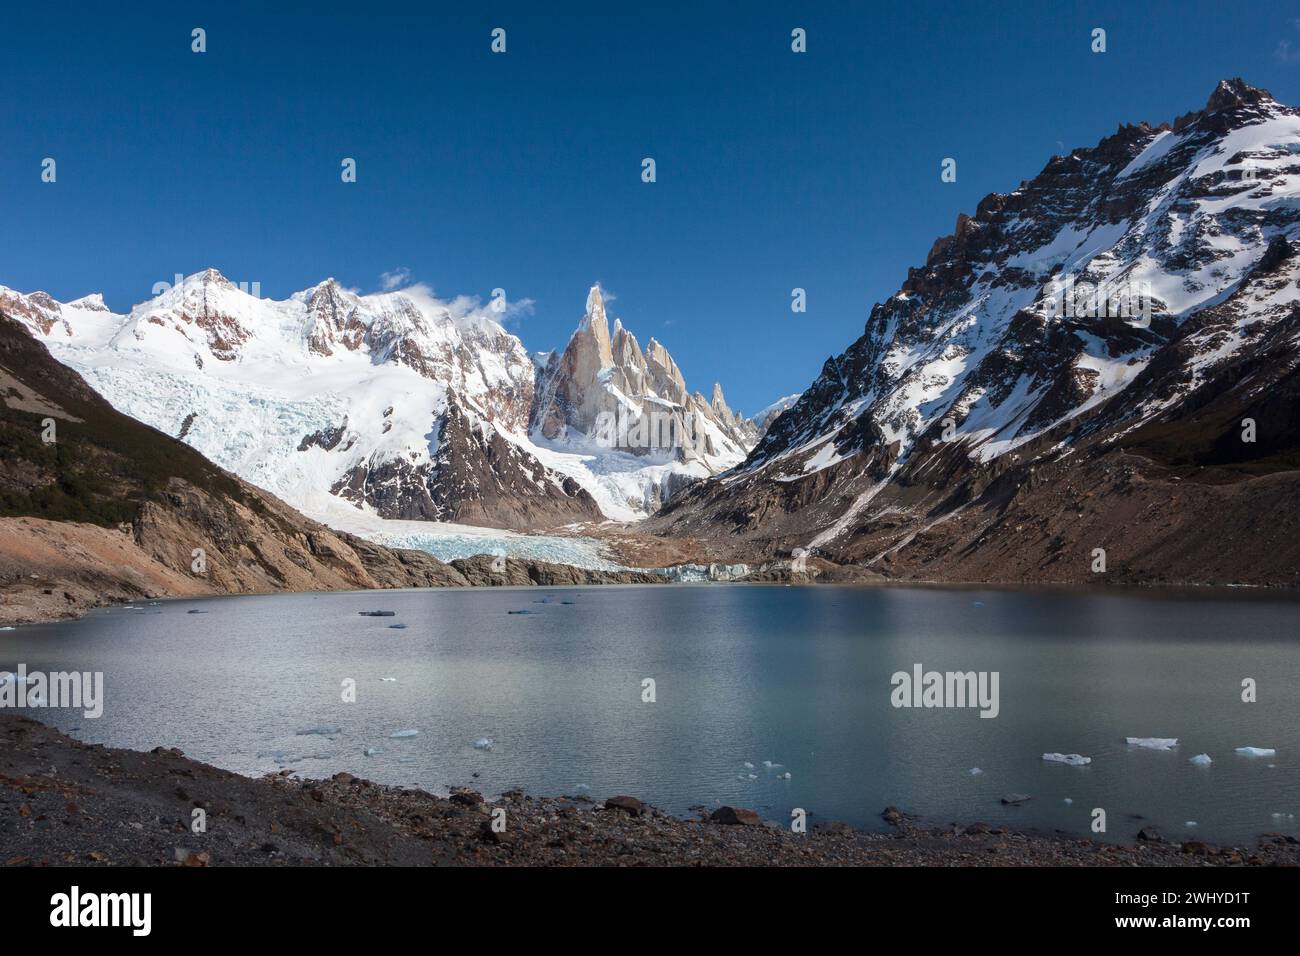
(607,389)
(334,318)
(719,402)
(1236,92)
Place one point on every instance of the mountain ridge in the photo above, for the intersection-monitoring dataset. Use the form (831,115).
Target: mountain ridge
(1130,304)
(395,403)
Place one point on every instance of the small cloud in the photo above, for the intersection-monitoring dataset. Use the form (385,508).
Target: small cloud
(1286,51)
(395,279)
(465,310)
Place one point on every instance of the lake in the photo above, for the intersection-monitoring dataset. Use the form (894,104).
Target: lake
(800,677)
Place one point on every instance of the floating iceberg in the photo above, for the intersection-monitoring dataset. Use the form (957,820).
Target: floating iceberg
(389,680)
(748,765)
(975,771)
(403,733)
(784,776)
(1201,760)
(1069,802)
(484,743)
(371,751)
(1153,743)
(769,765)
(1074,760)
(1257,751)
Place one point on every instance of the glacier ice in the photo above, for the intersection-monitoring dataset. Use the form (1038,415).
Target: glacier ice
(1074,760)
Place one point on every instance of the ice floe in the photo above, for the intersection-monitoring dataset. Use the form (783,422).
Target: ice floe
(1201,760)
(1153,743)
(484,743)
(397,734)
(1074,760)
(1257,751)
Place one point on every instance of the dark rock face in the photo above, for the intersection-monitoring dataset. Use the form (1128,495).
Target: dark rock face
(1071,369)
(326,438)
(477,477)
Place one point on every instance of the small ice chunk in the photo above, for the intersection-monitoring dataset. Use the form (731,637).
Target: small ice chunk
(371,751)
(748,765)
(320,731)
(389,680)
(1257,751)
(397,734)
(740,776)
(753,776)
(1190,823)
(1153,743)
(1068,801)
(975,771)
(1284,816)
(1074,760)
(784,776)
(769,765)
(1201,760)
(484,743)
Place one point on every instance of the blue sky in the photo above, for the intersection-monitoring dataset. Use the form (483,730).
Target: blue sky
(523,170)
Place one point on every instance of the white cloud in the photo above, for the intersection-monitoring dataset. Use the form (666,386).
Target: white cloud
(395,279)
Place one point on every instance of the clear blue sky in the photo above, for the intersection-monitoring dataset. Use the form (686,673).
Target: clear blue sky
(522,170)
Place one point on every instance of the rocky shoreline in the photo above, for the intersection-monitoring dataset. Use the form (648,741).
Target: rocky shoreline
(66,803)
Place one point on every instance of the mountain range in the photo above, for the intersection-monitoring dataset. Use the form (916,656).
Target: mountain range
(1094,377)
(399,404)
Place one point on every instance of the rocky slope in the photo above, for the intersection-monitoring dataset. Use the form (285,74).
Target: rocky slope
(111,510)
(1102,360)
(397,404)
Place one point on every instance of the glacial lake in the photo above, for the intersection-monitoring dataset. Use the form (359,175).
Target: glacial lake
(800,677)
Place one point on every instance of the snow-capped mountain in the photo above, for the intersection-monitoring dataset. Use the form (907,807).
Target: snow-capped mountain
(395,405)
(1024,396)
(604,391)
